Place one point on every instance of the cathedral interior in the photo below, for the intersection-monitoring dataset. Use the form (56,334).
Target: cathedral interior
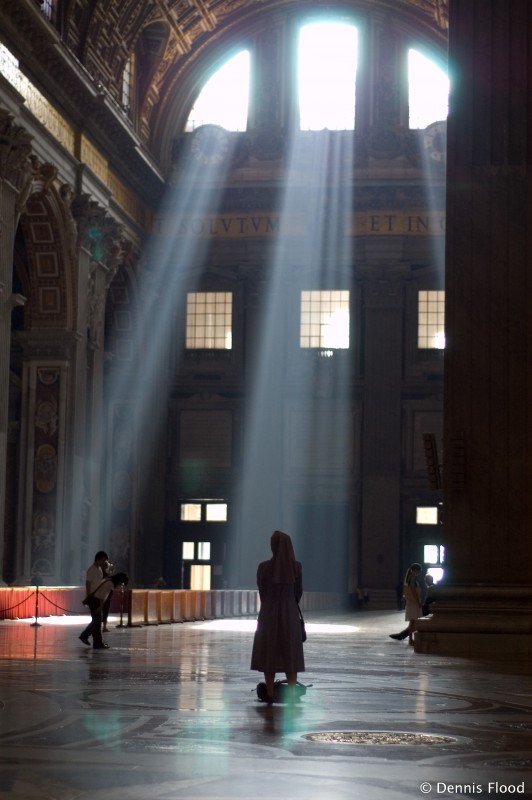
(212,331)
(267,264)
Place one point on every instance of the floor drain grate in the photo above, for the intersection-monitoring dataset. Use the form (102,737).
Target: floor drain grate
(378,737)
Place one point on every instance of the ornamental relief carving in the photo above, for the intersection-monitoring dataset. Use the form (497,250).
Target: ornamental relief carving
(46,417)
(15,150)
(99,233)
(45,469)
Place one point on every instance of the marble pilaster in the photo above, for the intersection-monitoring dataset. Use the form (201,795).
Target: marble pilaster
(15,183)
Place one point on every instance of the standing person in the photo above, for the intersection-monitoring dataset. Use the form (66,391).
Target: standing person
(108,570)
(412,593)
(93,577)
(96,601)
(278,644)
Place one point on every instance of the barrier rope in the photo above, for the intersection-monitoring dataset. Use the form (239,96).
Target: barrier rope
(11,608)
(36,595)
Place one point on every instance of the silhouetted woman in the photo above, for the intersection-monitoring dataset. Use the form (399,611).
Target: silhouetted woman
(412,594)
(278,644)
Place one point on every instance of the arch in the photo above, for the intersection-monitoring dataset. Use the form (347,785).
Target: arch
(184,75)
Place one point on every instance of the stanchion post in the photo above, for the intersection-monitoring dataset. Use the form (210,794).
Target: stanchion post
(36,624)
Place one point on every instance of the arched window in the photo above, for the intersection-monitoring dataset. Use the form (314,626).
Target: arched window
(428,91)
(224,98)
(48,9)
(327,63)
(128,77)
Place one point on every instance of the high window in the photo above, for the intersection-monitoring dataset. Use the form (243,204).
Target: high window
(327,66)
(325,319)
(434,557)
(326,73)
(204,511)
(47,8)
(428,91)
(209,320)
(200,551)
(431,320)
(427,515)
(224,98)
(127,83)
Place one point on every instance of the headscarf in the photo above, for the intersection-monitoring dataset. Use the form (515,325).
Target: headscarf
(413,568)
(284,559)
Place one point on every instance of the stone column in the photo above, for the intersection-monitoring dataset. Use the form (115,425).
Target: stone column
(15,183)
(486,605)
(381,433)
(99,249)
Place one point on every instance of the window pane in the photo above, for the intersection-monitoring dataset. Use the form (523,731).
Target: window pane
(327,76)
(47,8)
(216,512)
(324,319)
(204,551)
(209,320)
(127,82)
(431,553)
(224,98)
(191,512)
(431,320)
(200,577)
(427,515)
(188,551)
(428,91)
(436,572)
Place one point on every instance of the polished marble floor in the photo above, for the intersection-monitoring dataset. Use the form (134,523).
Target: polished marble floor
(170,713)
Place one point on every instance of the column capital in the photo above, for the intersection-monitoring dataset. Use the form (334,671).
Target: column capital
(15,150)
(98,232)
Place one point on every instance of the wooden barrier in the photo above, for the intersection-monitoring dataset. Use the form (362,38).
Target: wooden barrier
(179,605)
(208,605)
(228,600)
(217,604)
(186,607)
(138,607)
(165,610)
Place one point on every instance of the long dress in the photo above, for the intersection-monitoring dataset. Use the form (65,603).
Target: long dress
(412,592)
(278,645)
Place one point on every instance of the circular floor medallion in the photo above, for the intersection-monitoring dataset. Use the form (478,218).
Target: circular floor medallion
(378,737)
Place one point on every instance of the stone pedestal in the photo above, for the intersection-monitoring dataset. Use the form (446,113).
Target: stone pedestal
(492,622)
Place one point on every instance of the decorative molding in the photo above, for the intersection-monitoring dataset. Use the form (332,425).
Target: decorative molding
(15,161)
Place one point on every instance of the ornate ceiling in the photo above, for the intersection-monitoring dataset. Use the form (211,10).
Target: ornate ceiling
(171,32)
(79,56)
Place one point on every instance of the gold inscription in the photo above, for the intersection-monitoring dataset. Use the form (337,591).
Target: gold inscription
(235,226)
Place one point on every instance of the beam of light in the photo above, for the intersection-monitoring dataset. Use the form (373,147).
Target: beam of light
(295,427)
(172,267)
